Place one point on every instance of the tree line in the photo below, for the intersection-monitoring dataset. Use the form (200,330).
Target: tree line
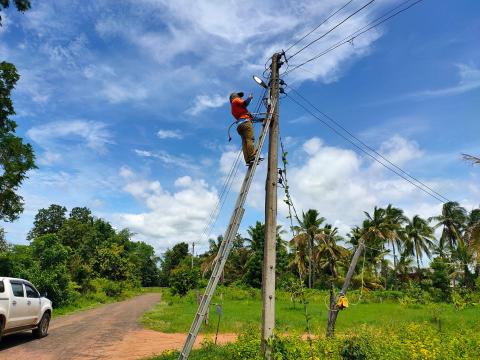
(75,254)
(399,251)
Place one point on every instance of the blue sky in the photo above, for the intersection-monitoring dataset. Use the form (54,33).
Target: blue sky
(125,103)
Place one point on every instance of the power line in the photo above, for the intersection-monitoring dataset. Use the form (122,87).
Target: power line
(366,152)
(349,39)
(213,216)
(367,146)
(333,28)
(323,22)
(227,185)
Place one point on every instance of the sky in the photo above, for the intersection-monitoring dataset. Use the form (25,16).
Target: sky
(126,105)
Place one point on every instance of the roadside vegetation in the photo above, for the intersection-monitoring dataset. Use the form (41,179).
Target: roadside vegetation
(80,260)
(415,293)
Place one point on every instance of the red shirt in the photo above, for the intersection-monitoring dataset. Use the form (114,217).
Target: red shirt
(239,109)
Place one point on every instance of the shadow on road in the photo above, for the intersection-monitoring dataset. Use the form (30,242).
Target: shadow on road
(10,341)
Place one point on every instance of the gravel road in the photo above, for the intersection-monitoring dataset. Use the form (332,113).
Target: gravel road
(109,332)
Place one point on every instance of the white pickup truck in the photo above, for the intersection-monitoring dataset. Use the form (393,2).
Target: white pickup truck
(22,308)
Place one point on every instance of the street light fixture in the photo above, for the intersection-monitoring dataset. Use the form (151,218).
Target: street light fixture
(259,81)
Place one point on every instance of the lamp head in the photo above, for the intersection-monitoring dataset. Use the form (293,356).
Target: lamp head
(259,81)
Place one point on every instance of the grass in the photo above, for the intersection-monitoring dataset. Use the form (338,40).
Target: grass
(242,308)
(93,300)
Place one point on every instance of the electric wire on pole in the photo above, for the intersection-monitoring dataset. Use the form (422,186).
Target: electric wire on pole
(350,38)
(370,148)
(383,163)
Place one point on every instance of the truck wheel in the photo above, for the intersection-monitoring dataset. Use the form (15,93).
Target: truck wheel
(2,325)
(42,329)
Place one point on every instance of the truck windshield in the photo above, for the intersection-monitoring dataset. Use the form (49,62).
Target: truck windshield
(2,287)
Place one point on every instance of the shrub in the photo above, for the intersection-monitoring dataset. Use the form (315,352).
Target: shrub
(108,287)
(411,341)
(183,278)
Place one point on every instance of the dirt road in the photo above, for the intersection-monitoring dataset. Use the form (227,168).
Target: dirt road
(109,332)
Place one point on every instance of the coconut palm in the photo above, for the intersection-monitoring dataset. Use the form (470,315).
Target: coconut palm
(376,230)
(404,266)
(304,242)
(394,220)
(419,238)
(211,256)
(374,226)
(472,233)
(452,221)
(469,254)
(329,253)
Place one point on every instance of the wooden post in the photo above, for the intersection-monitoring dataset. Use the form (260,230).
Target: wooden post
(333,309)
(269,253)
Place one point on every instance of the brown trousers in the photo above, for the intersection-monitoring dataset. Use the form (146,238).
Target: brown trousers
(245,130)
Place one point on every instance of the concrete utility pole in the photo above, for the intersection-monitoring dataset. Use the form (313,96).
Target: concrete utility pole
(269,253)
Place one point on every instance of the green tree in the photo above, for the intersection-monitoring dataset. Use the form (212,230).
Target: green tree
(419,236)
(170,260)
(440,277)
(255,245)
(3,241)
(49,272)
(452,221)
(112,263)
(48,221)
(472,238)
(394,219)
(48,250)
(375,232)
(304,242)
(184,278)
(81,214)
(329,253)
(21,5)
(143,257)
(16,157)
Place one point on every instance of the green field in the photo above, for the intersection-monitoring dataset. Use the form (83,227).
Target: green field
(242,308)
(378,327)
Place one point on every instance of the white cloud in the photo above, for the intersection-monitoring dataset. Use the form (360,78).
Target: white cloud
(125,172)
(204,102)
(94,134)
(184,49)
(469,80)
(170,217)
(341,184)
(49,158)
(168,159)
(117,92)
(399,150)
(169,134)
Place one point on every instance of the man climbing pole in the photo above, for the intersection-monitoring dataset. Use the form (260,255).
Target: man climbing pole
(244,123)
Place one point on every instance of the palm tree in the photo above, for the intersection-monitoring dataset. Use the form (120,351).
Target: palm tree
(470,253)
(394,219)
(329,253)
(404,266)
(304,242)
(419,236)
(376,231)
(211,256)
(452,220)
(472,233)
